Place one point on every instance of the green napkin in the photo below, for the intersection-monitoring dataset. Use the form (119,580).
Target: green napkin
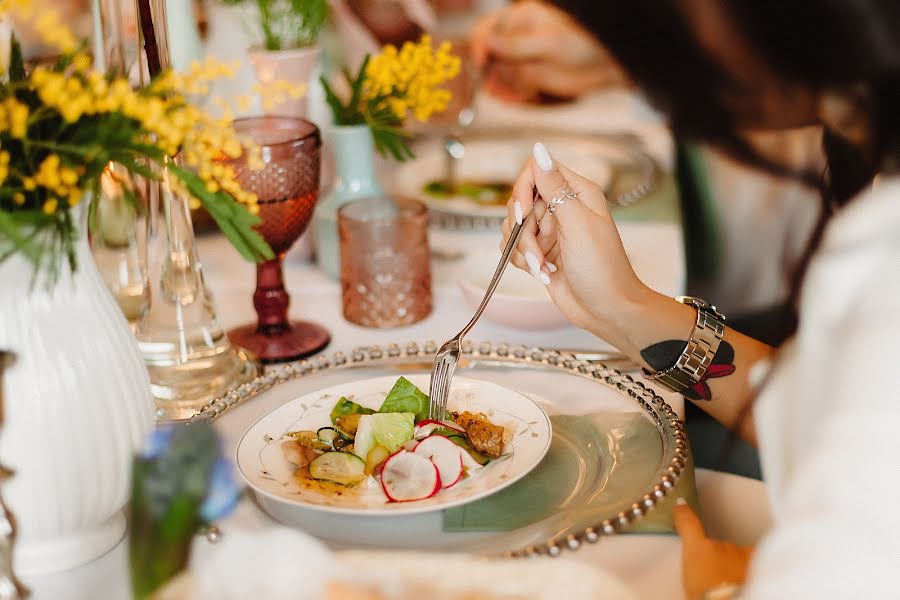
(702,233)
(596,464)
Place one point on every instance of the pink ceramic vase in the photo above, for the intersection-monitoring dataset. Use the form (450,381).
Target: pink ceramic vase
(294,65)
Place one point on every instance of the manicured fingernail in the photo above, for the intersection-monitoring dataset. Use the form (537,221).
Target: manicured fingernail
(517,208)
(542,157)
(533,263)
(681,502)
(551,267)
(543,278)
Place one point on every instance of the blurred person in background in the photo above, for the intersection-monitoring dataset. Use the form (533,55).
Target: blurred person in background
(744,230)
(823,405)
(742,227)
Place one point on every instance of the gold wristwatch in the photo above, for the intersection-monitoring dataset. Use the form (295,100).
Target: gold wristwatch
(691,366)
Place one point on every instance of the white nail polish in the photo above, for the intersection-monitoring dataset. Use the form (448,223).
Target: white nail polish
(681,502)
(551,267)
(533,263)
(542,157)
(543,278)
(517,208)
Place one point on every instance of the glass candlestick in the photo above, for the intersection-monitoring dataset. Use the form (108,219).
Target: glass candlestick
(189,357)
(118,234)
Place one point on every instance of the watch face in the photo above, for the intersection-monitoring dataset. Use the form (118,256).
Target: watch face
(691,300)
(699,303)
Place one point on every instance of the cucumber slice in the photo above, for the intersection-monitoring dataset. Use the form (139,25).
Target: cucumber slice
(310,439)
(327,435)
(340,467)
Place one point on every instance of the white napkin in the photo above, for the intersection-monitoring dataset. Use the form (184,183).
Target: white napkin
(276,563)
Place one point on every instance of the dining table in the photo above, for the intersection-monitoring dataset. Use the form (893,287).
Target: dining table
(733,507)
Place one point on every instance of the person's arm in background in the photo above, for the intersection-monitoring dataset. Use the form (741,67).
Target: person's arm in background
(534,50)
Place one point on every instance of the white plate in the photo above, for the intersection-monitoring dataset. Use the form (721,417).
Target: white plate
(501,159)
(270,475)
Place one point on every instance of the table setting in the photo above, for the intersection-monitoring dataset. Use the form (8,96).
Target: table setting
(339,386)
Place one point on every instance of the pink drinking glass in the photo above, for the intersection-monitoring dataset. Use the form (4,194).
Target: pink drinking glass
(288,188)
(385,262)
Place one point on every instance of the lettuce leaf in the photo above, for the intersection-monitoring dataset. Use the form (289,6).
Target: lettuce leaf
(405,397)
(346,407)
(390,430)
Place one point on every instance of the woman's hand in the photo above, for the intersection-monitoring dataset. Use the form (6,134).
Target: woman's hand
(576,251)
(706,563)
(535,49)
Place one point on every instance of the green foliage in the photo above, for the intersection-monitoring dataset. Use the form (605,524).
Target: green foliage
(87,145)
(288,23)
(387,127)
(16,61)
(232,218)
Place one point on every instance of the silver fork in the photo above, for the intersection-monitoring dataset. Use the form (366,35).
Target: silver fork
(448,356)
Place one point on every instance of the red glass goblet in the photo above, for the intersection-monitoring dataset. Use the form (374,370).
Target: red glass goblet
(288,188)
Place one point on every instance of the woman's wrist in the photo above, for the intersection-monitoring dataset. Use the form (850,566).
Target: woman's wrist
(643,317)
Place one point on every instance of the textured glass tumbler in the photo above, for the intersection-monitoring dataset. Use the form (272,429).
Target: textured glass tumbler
(288,188)
(385,262)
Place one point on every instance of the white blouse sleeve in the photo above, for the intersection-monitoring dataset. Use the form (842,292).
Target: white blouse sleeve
(836,500)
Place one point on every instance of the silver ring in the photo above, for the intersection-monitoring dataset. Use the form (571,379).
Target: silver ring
(565,195)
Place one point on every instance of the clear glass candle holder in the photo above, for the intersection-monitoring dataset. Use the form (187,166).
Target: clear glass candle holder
(385,262)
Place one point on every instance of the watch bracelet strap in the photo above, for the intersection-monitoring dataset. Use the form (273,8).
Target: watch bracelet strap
(697,355)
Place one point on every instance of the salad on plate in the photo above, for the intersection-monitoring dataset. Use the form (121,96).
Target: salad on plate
(396,448)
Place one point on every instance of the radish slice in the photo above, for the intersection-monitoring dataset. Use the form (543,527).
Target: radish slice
(410,445)
(468,462)
(428,427)
(445,455)
(408,476)
(447,423)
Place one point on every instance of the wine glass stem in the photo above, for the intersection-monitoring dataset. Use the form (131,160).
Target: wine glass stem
(271,299)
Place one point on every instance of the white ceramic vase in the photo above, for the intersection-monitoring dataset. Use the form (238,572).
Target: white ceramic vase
(294,65)
(77,406)
(185,45)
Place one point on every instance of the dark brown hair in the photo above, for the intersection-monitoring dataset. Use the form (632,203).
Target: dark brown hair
(826,45)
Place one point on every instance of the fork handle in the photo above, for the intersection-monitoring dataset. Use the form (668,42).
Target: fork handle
(514,236)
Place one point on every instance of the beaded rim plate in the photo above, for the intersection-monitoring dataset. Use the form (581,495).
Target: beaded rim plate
(261,463)
(671,428)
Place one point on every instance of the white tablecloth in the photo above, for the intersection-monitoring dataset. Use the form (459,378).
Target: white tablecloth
(734,508)
(647,562)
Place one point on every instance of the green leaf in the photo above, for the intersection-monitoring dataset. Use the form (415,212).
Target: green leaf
(12,227)
(16,61)
(405,397)
(346,407)
(337,108)
(357,86)
(233,219)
